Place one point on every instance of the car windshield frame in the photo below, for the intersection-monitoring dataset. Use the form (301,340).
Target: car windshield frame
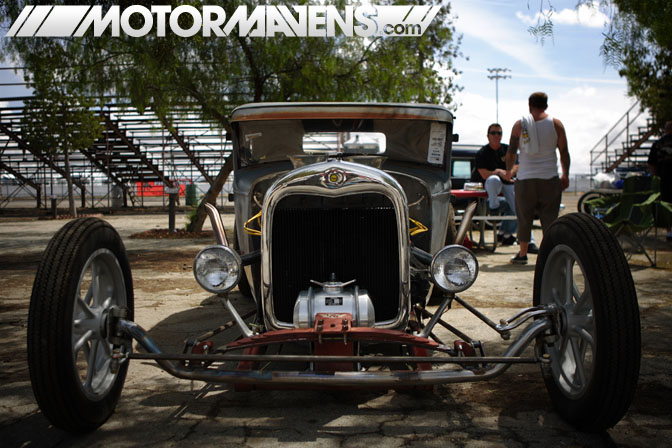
(413,141)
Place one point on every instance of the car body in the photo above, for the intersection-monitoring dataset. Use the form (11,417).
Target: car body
(402,172)
(343,228)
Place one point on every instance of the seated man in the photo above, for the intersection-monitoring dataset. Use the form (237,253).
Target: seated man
(490,169)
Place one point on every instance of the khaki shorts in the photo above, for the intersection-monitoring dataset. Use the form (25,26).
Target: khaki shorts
(536,197)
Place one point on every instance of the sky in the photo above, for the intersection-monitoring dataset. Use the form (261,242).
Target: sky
(587,96)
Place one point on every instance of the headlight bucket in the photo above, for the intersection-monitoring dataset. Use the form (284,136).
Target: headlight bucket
(217,269)
(454,268)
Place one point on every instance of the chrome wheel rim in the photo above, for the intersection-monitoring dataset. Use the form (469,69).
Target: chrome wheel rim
(573,352)
(101,286)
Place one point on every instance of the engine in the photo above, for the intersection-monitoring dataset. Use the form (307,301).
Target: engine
(334,297)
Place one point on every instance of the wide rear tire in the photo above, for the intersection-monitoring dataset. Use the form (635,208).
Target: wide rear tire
(84,272)
(594,362)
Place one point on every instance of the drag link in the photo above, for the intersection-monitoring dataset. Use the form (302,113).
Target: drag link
(505,334)
(524,315)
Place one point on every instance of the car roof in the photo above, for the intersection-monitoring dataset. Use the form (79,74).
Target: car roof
(300,111)
(464,150)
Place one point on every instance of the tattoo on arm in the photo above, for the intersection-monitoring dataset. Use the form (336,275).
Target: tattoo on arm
(511,152)
(513,144)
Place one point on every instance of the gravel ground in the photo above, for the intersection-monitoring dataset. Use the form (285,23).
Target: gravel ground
(155,408)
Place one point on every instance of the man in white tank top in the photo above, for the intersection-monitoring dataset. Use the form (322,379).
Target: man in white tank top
(538,188)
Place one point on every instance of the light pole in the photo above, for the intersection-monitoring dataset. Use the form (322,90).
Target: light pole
(497,76)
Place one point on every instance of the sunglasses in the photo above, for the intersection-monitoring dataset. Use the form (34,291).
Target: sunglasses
(495,132)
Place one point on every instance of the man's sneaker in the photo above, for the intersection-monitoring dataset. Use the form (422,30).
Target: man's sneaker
(532,249)
(509,240)
(518,259)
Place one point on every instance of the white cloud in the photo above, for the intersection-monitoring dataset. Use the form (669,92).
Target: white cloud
(529,20)
(588,15)
(552,77)
(506,37)
(582,92)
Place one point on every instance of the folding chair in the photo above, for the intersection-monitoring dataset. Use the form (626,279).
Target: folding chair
(633,214)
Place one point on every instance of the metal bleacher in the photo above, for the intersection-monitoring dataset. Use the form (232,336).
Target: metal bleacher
(134,148)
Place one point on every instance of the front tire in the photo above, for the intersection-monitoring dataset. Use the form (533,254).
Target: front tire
(84,272)
(594,361)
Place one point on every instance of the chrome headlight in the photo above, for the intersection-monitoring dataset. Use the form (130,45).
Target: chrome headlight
(454,268)
(217,269)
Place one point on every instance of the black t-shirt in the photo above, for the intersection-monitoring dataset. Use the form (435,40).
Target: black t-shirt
(661,157)
(490,159)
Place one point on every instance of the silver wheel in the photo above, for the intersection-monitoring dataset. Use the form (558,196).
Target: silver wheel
(573,353)
(101,285)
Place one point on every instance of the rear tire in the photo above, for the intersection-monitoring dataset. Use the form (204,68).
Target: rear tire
(594,362)
(83,273)
(582,206)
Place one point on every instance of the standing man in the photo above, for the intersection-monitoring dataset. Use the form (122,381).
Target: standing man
(538,189)
(660,164)
(490,169)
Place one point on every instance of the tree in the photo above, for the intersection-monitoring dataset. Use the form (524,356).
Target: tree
(220,72)
(58,119)
(637,42)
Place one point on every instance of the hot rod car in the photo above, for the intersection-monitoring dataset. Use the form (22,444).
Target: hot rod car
(344,229)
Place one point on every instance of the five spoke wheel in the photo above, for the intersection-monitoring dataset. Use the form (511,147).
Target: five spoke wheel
(101,285)
(572,355)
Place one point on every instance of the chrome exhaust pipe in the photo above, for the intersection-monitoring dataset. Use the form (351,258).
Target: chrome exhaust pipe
(217,225)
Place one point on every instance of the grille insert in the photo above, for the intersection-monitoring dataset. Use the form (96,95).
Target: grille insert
(357,240)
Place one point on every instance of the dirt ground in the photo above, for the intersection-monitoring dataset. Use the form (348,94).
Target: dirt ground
(513,410)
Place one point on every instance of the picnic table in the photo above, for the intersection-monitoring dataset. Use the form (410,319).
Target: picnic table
(481,218)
